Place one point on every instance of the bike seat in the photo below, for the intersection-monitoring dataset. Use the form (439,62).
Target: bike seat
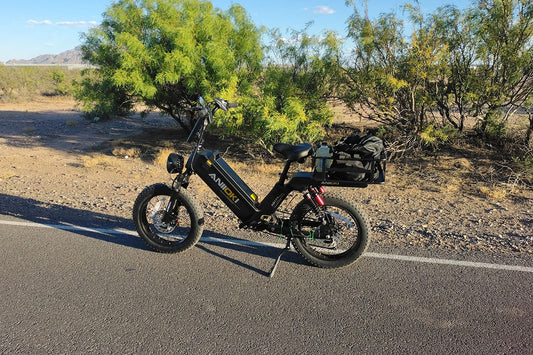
(293,152)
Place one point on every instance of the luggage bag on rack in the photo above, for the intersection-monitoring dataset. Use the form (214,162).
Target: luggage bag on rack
(356,160)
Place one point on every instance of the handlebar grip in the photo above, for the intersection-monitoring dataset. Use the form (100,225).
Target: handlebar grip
(233,105)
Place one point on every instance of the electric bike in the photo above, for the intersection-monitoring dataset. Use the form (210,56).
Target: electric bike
(327,229)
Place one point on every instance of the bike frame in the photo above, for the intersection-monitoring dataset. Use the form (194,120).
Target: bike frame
(234,192)
(238,197)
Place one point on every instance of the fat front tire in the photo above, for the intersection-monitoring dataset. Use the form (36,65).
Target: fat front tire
(340,242)
(165,233)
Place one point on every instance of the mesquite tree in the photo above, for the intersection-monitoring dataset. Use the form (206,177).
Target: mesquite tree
(167,53)
(455,63)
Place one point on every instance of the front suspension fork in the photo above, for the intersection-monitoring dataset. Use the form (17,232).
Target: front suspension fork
(170,210)
(180,181)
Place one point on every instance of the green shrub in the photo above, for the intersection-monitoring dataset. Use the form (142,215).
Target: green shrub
(493,127)
(25,83)
(432,136)
(59,80)
(100,98)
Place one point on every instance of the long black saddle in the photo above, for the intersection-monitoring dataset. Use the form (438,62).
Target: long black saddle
(293,152)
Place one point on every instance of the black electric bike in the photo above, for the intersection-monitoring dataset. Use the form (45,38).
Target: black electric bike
(327,229)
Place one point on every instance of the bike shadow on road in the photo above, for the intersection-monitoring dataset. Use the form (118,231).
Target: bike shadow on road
(244,246)
(101,226)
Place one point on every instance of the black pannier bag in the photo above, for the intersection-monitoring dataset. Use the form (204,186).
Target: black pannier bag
(356,159)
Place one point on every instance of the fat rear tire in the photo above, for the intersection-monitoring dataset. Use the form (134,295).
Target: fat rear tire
(347,224)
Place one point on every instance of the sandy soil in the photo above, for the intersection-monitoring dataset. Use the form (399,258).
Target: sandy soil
(56,167)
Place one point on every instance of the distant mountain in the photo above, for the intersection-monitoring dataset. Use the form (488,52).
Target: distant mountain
(70,57)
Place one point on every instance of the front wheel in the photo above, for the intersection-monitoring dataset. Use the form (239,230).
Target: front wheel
(168,221)
(331,236)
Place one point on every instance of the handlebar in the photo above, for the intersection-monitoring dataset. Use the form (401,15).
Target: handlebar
(205,114)
(224,104)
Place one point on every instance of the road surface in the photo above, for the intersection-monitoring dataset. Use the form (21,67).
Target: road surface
(67,289)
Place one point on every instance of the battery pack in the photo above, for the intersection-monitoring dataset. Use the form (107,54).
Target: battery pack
(226,184)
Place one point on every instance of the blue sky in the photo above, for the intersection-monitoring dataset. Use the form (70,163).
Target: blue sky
(29,28)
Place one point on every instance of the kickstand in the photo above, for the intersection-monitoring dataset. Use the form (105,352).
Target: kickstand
(287,248)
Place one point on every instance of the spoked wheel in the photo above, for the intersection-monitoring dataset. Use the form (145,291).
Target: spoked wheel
(167,221)
(338,242)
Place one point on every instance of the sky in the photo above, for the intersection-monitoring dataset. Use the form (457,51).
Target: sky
(29,28)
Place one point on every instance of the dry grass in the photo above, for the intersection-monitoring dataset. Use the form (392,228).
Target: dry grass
(101,160)
(160,158)
(126,152)
(446,174)
(463,164)
(493,191)
(451,175)
(451,185)
(256,169)
(6,175)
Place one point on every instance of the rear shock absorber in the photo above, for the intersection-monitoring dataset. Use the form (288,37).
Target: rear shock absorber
(314,196)
(317,202)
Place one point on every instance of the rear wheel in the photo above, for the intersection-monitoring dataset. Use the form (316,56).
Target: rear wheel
(338,242)
(168,232)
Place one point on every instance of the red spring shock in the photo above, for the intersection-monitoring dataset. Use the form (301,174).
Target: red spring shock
(316,195)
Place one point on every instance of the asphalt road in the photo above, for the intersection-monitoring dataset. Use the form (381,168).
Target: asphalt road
(82,291)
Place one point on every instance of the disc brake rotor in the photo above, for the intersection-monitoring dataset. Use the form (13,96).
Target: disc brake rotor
(157,219)
(331,235)
(322,237)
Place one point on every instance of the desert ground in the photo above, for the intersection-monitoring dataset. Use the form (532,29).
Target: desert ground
(58,167)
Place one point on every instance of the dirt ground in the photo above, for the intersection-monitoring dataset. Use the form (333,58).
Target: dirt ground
(57,167)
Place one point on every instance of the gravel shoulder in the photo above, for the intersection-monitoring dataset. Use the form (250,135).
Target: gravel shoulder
(53,170)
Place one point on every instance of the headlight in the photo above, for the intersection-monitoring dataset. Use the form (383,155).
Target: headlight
(174,163)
